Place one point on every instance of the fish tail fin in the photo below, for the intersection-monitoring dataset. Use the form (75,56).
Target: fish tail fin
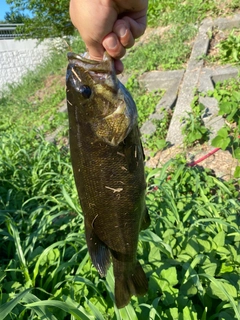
(134,283)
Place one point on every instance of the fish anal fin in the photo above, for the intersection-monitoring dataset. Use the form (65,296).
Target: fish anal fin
(135,283)
(98,251)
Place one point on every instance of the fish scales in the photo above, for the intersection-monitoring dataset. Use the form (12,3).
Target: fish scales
(108,166)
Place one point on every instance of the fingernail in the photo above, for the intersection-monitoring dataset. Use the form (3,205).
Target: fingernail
(111,43)
(122,31)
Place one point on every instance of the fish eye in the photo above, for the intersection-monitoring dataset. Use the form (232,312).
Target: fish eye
(85,91)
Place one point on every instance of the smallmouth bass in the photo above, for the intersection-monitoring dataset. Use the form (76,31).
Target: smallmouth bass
(108,166)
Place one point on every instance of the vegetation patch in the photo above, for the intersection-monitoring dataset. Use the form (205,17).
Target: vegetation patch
(224,47)
(228,137)
(193,128)
(190,253)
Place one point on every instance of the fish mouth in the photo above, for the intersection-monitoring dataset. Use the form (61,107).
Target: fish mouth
(104,66)
(82,57)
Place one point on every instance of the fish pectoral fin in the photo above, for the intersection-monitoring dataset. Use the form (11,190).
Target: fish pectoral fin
(112,129)
(135,283)
(146,220)
(98,251)
(133,150)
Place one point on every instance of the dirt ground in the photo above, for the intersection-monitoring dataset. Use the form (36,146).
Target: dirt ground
(221,162)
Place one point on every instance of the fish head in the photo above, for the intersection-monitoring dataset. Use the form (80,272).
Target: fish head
(98,97)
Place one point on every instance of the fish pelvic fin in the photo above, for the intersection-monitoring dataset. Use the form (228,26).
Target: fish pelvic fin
(126,286)
(98,251)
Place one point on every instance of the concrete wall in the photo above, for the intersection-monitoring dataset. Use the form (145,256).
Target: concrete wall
(19,56)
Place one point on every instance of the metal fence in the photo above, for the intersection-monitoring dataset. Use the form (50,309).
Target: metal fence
(8,31)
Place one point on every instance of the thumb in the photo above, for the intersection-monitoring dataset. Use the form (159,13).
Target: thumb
(95,50)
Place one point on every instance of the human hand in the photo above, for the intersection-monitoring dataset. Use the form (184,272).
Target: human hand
(111,25)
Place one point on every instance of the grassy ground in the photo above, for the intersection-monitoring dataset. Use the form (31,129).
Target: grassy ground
(191,252)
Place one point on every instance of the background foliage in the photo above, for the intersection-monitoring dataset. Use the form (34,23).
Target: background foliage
(48,18)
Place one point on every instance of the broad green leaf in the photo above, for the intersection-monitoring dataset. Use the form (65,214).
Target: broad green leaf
(225,268)
(128,313)
(42,312)
(235,54)
(226,315)
(222,290)
(169,294)
(188,314)
(85,281)
(7,307)
(237,172)
(204,315)
(188,288)
(210,268)
(154,285)
(170,274)
(236,95)
(97,314)
(236,153)
(219,239)
(78,313)
(223,250)
(192,247)
(225,108)
(217,221)
(223,132)
(149,236)
(220,293)
(172,313)
(205,245)
(109,283)
(221,142)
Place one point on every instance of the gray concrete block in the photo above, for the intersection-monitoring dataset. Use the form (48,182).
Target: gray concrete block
(227,23)
(155,80)
(165,80)
(223,73)
(201,45)
(189,83)
(210,117)
(148,128)
(205,80)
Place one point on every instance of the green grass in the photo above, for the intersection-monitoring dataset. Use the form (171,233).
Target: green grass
(169,52)
(175,11)
(191,250)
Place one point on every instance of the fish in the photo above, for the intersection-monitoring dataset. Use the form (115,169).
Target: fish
(108,167)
